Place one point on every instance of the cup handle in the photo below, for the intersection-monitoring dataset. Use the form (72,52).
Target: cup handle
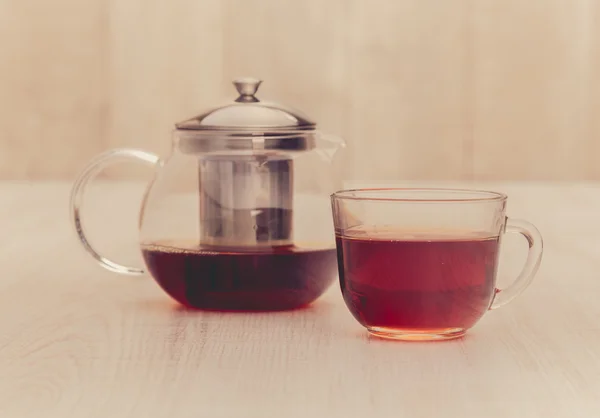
(88,174)
(534,258)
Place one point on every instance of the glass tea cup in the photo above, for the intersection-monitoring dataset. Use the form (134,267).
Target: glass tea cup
(420,264)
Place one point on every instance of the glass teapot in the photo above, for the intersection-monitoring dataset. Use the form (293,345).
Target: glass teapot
(237,216)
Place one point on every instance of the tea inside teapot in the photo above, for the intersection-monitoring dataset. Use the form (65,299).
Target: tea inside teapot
(280,278)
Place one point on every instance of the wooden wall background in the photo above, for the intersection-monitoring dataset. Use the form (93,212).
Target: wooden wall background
(429,89)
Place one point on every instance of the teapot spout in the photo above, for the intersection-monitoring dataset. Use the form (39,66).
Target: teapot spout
(329,145)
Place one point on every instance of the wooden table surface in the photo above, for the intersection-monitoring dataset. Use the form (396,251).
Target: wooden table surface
(79,341)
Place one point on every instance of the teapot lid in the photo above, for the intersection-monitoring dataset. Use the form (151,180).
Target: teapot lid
(248,114)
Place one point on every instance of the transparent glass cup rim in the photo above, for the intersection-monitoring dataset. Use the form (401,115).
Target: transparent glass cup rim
(420,195)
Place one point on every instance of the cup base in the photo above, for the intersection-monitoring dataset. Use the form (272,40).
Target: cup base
(417,335)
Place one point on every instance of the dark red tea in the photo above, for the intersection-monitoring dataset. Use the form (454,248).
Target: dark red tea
(421,283)
(279,279)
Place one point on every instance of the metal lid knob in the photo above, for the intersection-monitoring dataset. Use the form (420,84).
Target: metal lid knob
(247,88)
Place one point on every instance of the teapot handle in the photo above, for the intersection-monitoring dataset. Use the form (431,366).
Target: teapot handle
(90,172)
